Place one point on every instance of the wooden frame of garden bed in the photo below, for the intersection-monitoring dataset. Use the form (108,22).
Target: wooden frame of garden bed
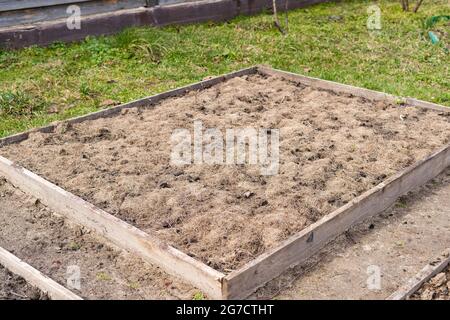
(35,278)
(246,280)
(428,272)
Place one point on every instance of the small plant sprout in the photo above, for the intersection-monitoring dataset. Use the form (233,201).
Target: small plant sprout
(198,296)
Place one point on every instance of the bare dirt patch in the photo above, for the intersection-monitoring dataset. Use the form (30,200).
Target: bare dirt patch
(332,149)
(50,244)
(13,287)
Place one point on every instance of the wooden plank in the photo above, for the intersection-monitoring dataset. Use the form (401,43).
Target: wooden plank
(168,2)
(144,102)
(34,277)
(115,230)
(9,5)
(428,272)
(241,283)
(35,15)
(151,100)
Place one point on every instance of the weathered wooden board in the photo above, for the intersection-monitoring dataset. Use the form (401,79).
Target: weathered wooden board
(48,31)
(309,241)
(10,5)
(257,6)
(111,228)
(168,2)
(428,272)
(34,277)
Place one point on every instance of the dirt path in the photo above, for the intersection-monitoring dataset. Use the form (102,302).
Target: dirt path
(53,246)
(399,242)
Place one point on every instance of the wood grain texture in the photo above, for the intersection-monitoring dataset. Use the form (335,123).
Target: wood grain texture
(34,277)
(428,272)
(198,11)
(250,7)
(426,105)
(10,5)
(36,14)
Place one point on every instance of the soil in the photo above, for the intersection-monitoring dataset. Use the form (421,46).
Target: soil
(437,288)
(13,287)
(50,244)
(332,149)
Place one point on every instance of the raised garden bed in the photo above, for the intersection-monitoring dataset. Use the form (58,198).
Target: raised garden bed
(38,28)
(345,154)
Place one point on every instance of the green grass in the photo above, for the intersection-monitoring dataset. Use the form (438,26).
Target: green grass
(198,296)
(40,85)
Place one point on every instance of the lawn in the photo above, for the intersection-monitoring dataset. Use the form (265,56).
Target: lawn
(329,41)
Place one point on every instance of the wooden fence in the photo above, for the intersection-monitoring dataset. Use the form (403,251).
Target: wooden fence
(42,22)
(17,12)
